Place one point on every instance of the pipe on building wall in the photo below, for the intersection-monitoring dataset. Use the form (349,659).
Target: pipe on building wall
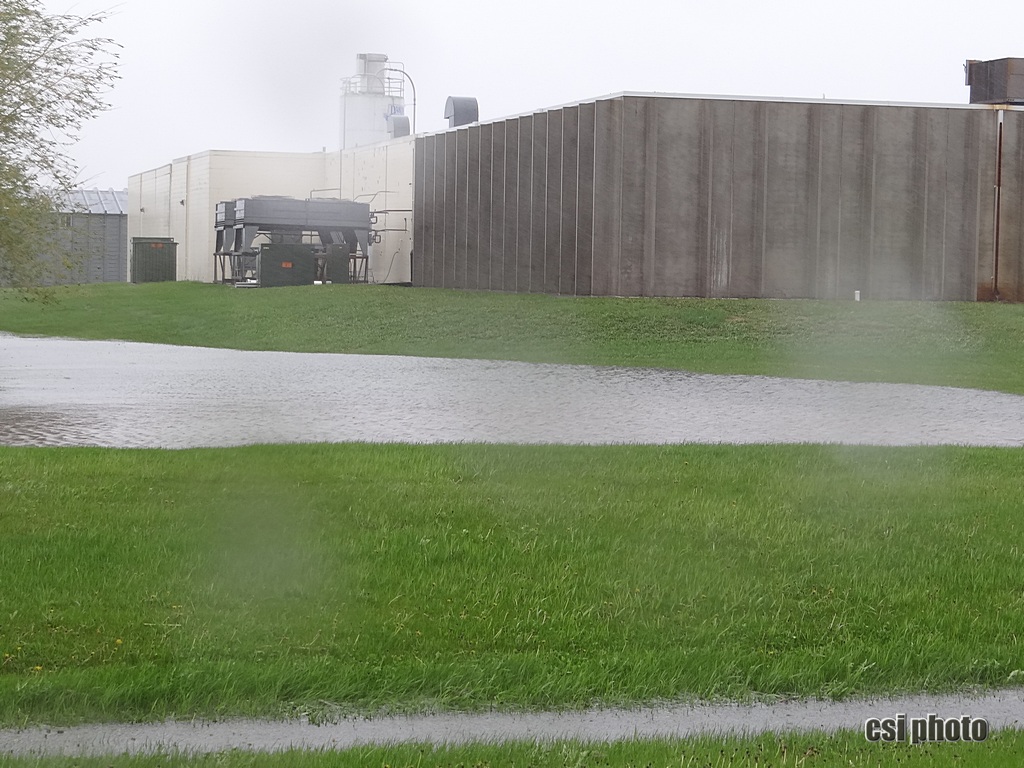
(998,205)
(324,189)
(413,84)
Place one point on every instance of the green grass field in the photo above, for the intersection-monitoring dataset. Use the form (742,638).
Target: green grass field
(955,344)
(331,579)
(838,750)
(275,580)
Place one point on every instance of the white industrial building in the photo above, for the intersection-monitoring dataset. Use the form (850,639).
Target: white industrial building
(637,194)
(374,166)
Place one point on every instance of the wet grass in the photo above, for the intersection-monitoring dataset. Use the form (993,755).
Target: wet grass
(957,344)
(846,749)
(276,580)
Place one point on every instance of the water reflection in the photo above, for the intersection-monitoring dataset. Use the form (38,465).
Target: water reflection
(46,426)
(119,394)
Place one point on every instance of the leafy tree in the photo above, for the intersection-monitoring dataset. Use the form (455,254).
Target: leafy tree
(52,80)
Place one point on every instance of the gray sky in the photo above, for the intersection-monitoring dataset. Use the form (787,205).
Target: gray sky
(265,74)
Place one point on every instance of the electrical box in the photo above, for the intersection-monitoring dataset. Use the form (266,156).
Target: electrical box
(154,259)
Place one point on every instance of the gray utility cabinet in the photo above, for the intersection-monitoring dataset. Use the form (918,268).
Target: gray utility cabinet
(154,260)
(283,264)
(286,264)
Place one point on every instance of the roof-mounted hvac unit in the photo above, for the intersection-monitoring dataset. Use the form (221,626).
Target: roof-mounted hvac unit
(1000,81)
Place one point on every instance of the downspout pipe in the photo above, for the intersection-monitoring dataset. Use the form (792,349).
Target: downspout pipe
(999,192)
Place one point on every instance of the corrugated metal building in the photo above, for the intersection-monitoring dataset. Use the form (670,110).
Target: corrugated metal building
(92,239)
(664,195)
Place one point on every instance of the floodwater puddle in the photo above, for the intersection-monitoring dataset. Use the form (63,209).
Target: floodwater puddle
(122,394)
(999,710)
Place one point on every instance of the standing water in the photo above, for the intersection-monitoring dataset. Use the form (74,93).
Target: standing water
(122,394)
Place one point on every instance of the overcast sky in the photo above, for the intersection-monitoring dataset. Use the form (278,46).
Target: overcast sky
(265,74)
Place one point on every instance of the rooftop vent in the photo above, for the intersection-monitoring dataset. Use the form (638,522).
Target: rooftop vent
(461,110)
(1000,81)
(398,126)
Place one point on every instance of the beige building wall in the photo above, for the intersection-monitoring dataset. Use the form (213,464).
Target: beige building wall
(149,195)
(178,200)
(382,176)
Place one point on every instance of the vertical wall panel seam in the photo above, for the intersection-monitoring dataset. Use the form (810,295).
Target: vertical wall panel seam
(569,160)
(732,205)
(945,213)
(871,199)
(709,244)
(484,248)
(839,217)
(547,203)
(481,249)
(616,265)
(461,220)
(922,294)
(576,209)
(437,239)
(817,233)
(538,207)
(519,208)
(709,123)
(492,243)
(977,216)
(997,203)
(443,176)
(582,158)
(593,204)
(561,198)
(473,238)
(437,212)
(532,196)
(576,212)
(650,198)
(513,128)
(469,206)
(619,181)
(456,236)
(519,152)
(529,208)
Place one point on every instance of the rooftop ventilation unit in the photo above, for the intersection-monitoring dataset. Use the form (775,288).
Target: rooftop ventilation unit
(398,126)
(461,110)
(1000,81)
